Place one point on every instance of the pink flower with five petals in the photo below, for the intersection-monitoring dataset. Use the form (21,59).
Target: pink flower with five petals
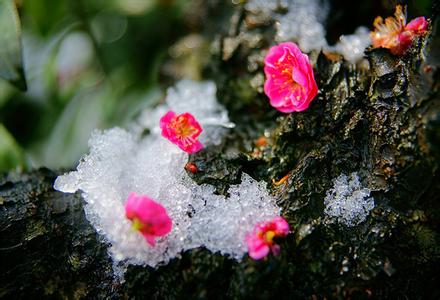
(182,130)
(395,34)
(149,217)
(261,241)
(290,83)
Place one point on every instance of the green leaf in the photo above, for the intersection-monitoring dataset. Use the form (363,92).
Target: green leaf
(11,155)
(11,61)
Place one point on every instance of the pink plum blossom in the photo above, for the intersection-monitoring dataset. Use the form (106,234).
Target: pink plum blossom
(260,242)
(395,34)
(290,83)
(182,130)
(148,217)
(418,25)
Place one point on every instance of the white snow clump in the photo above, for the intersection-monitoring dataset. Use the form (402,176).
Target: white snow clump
(121,162)
(304,24)
(348,202)
(198,98)
(265,6)
(352,46)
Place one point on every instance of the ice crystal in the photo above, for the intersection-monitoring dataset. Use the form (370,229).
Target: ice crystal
(221,224)
(352,46)
(265,6)
(304,23)
(121,162)
(198,98)
(348,202)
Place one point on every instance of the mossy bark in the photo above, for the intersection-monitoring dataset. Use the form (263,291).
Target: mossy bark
(380,118)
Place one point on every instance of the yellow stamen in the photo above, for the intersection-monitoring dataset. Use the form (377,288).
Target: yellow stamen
(182,128)
(137,224)
(269,236)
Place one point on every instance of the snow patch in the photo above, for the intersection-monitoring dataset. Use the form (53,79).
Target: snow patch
(348,202)
(121,162)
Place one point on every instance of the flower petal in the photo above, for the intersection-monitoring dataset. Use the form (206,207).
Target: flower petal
(131,206)
(150,239)
(151,216)
(275,249)
(257,248)
(281,225)
(419,24)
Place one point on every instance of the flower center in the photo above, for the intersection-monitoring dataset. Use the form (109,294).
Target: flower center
(267,236)
(139,226)
(182,128)
(287,72)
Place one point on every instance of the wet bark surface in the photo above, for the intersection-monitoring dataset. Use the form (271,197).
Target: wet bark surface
(48,248)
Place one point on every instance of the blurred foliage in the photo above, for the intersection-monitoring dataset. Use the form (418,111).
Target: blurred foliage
(11,66)
(10,153)
(89,64)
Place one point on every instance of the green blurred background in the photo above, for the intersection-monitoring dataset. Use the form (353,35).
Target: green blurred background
(97,63)
(88,64)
